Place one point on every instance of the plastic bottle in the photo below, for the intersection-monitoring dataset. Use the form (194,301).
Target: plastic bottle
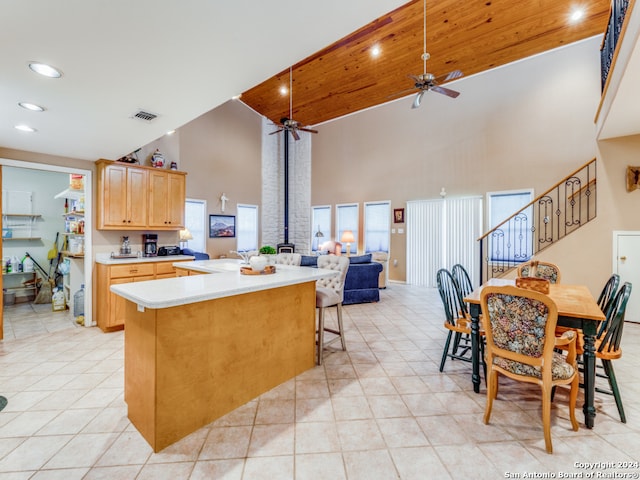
(15,264)
(78,302)
(27,264)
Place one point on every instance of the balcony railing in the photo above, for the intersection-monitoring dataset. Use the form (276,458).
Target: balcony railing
(559,211)
(614,27)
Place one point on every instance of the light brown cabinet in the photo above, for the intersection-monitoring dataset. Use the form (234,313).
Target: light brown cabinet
(109,312)
(139,198)
(166,200)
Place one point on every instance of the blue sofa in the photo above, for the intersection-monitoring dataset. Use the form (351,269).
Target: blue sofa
(361,284)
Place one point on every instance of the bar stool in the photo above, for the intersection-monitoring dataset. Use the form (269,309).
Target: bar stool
(329,293)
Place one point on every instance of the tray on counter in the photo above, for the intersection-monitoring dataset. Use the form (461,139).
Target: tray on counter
(269,269)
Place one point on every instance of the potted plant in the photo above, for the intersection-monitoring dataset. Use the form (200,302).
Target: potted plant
(269,252)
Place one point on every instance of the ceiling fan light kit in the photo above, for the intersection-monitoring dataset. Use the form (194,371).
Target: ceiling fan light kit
(428,81)
(287,123)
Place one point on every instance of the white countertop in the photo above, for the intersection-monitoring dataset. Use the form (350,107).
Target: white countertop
(105,258)
(225,280)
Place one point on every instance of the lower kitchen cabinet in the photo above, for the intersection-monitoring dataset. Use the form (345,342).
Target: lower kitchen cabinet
(109,312)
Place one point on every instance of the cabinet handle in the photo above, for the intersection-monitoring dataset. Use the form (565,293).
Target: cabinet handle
(133,271)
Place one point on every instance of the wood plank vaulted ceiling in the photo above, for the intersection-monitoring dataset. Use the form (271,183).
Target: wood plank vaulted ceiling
(471,36)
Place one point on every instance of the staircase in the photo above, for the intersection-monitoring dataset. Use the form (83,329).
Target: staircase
(561,210)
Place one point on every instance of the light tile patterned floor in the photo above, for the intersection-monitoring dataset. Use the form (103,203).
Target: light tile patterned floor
(381,410)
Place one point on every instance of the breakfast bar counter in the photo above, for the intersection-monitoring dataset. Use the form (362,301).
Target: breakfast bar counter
(197,347)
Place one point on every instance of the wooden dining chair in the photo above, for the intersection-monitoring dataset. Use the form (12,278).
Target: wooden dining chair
(457,320)
(536,268)
(608,347)
(608,293)
(462,277)
(519,328)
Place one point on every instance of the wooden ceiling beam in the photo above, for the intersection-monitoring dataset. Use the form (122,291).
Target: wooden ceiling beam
(472,36)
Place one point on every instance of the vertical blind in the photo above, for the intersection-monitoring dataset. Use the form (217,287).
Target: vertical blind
(195,221)
(247,228)
(441,233)
(321,222)
(376,226)
(347,219)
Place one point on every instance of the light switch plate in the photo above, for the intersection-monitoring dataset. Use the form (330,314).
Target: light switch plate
(401,231)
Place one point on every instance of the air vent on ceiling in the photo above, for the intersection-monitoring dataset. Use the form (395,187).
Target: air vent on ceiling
(143,115)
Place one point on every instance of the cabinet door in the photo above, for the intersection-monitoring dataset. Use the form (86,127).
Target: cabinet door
(115,317)
(113,210)
(158,199)
(136,197)
(166,200)
(175,208)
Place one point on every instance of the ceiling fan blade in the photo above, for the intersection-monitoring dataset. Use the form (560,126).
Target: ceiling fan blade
(294,133)
(449,76)
(415,78)
(445,91)
(418,99)
(277,131)
(305,129)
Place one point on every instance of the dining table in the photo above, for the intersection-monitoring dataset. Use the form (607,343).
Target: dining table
(577,308)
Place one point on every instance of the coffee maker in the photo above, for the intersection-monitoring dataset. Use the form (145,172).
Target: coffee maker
(150,244)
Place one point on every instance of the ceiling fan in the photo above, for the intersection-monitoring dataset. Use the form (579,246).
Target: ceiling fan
(428,81)
(289,124)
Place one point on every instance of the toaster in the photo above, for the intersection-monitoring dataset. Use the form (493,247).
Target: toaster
(171,250)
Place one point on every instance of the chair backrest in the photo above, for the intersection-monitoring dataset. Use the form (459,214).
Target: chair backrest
(288,259)
(608,293)
(334,262)
(454,307)
(462,277)
(610,332)
(520,327)
(545,270)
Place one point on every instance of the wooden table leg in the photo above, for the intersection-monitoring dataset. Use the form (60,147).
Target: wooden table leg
(474,312)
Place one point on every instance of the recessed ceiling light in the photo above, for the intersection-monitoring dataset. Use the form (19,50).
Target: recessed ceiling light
(25,128)
(44,69)
(283,90)
(576,15)
(375,51)
(31,106)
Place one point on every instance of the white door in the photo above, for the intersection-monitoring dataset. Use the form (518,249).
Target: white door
(626,263)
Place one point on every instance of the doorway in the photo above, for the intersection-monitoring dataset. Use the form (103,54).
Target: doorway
(38,171)
(626,263)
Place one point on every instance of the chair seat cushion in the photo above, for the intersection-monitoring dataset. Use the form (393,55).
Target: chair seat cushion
(326,297)
(561,370)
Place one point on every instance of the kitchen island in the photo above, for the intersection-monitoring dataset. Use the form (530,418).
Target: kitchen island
(197,347)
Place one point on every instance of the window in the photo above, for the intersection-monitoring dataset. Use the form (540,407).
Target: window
(347,219)
(513,241)
(247,227)
(195,220)
(376,226)
(320,222)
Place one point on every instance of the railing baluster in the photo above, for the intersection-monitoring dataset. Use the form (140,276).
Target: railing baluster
(544,221)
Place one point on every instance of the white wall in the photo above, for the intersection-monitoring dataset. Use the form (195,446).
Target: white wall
(525,125)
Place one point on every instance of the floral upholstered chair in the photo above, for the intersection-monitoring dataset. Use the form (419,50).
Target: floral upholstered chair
(545,270)
(520,335)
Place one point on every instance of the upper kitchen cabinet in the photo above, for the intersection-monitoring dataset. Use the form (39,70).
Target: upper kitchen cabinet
(139,198)
(167,198)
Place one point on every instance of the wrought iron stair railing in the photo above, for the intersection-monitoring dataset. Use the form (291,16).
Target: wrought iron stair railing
(553,215)
(610,40)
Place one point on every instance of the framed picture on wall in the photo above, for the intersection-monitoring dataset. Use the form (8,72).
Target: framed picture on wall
(398,215)
(222,226)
